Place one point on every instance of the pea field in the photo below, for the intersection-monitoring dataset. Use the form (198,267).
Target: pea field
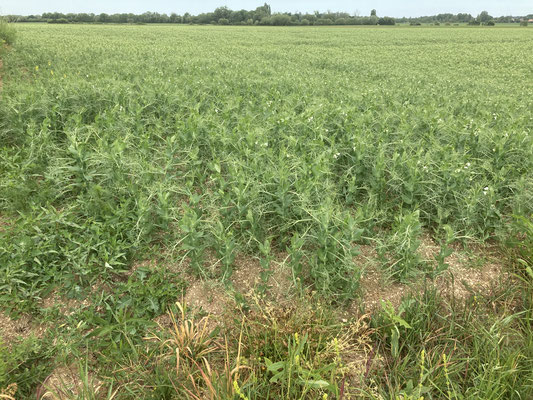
(215,212)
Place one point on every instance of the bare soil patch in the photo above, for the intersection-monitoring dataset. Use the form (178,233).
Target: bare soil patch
(374,284)
(208,297)
(18,329)
(65,383)
(247,276)
(476,269)
(66,306)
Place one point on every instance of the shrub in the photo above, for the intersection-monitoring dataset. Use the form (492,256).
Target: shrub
(491,23)
(523,23)
(58,21)
(7,32)
(342,21)
(386,21)
(324,21)
(223,21)
(280,19)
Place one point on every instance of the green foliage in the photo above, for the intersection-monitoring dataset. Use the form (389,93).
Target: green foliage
(521,243)
(194,241)
(386,21)
(429,365)
(25,363)
(444,252)
(117,148)
(293,375)
(120,318)
(7,33)
(331,264)
(400,248)
(147,293)
(522,240)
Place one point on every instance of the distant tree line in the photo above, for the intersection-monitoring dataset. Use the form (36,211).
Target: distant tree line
(484,18)
(260,16)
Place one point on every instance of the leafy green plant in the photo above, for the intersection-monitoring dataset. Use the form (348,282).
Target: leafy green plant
(396,323)
(400,249)
(225,246)
(148,292)
(194,241)
(293,374)
(331,264)
(444,252)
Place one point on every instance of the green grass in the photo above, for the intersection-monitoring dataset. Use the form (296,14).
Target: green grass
(181,144)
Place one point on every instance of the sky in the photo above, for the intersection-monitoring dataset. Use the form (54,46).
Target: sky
(393,8)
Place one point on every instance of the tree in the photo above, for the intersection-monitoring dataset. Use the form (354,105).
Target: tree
(484,17)
(222,13)
(103,18)
(373,13)
(174,18)
(263,11)
(463,17)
